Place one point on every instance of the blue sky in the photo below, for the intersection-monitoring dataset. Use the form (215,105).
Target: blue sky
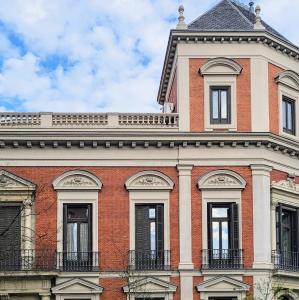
(94,55)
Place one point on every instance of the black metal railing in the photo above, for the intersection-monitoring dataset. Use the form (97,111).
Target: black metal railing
(48,260)
(77,261)
(222,259)
(27,260)
(285,260)
(149,260)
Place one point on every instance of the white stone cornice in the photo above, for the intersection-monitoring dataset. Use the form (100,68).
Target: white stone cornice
(149,180)
(77,180)
(288,186)
(220,66)
(12,182)
(221,179)
(288,78)
(262,170)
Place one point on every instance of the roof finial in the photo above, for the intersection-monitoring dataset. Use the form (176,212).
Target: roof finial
(258,20)
(181,24)
(251,6)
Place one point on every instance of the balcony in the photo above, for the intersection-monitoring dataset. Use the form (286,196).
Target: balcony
(58,121)
(222,259)
(285,260)
(48,260)
(149,260)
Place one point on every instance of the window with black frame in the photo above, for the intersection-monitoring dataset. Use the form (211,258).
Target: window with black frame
(223,236)
(220,104)
(288,115)
(287,225)
(149,237)
(77,237)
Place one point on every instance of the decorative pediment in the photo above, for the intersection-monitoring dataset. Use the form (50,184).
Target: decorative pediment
(221,179)
(150,285)
(77,286)
(288,185)
(149,180)
(220,66)
(222,284)
(77,180)
(11,182)
(288,78)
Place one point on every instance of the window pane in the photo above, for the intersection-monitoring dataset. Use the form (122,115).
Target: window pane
(223,104)
(215,108)
(284,118)
(224,235)
(72,250)
(220,212)
(290,116)
(153,236)
(215,228)
(152,213)
(77,213)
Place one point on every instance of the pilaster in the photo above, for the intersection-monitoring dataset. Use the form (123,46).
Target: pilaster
(261,216)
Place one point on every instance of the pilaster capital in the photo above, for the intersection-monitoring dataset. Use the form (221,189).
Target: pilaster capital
(262,170)
(185,170)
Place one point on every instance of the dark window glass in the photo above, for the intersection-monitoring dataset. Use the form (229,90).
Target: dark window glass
(288,115)
(77,231)
(220,104)
(287,228)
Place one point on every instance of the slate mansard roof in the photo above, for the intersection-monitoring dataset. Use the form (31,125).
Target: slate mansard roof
(229,15)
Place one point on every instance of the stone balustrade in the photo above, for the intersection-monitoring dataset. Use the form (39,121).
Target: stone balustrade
(88,120)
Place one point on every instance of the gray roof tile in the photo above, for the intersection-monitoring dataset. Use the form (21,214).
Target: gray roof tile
(229,15)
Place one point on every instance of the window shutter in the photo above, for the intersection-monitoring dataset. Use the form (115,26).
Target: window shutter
(142,228)
(10,227)
(278,227)
(210,243)
(234,226)
(160,227)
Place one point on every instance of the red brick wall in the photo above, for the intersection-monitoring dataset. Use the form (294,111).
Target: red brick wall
(244,96)
(247,214)
(113,288)
(196,95)
(173,95)
(273,98)
(196,281)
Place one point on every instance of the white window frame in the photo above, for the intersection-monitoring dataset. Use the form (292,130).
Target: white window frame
(284,90)
(220,186)
(225,81)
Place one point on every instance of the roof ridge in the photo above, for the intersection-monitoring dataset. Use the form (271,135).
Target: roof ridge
(241,14)
(213,7)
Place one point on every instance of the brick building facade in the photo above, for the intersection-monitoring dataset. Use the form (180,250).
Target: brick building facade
(198,202)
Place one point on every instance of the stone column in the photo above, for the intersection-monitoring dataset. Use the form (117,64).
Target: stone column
(186,264)
(261,216)
(28,224)
(45,296)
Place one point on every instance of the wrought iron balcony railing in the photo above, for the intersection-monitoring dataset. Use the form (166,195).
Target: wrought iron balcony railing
(222,259)
(27,260)
(48,260)
(78,261)
(285,260)
(149,260)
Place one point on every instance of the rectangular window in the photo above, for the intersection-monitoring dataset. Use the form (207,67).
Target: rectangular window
(223,236)
(77,233)
(220,105)
(288,115)
(149,236)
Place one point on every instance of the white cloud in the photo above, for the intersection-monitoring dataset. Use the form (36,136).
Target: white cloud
(114,51)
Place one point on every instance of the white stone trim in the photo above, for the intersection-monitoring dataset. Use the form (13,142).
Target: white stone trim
(220,66)
(221,179)
(77,180)
(220,80)
(149,197)
(185,217)
(261,216)
(149,180)
(288,78)
(286,90)
(77,197)
(259,73)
